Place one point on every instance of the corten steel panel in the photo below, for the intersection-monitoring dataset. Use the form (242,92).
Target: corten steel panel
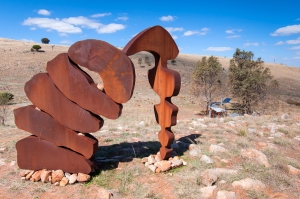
(41,91)
(35,154)
(114,67)
(45,127)
(165,82)
(75,86)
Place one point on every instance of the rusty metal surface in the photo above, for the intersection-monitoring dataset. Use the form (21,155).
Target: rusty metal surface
(75,86)
(165,82)
(35,154)
(41,91)
(45,127)
(114,67)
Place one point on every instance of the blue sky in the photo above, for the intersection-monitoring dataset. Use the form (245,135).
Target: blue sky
(270,29)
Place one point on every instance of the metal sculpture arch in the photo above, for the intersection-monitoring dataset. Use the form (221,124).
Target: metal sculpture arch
(67,103)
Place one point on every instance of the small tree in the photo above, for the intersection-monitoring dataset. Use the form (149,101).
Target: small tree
(207,77)
(36,47)
(173,61)
(4,100)
(45,40)
(248,79)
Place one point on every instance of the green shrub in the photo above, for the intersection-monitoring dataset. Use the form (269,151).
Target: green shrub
(5,97)
(45,40)
(36,47)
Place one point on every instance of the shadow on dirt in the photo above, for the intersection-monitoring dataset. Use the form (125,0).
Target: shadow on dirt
(108,157)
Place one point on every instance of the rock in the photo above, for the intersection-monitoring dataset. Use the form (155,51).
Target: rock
(176,163)
(157,170)
(147,164)
(297,138)
(81,177)
(285,116)
(56,184)
(28,176)
(192,146)
(23,173)
(164,165)
(157,157)
(249,184)
(45,176)
(250,130)
(207,192)
(209,177)
(64,181)
(152,168)
(2,162)
(216,149)
(292,170)
(151,159)
(184,163)
(195,152)
(67,175)
(57,176)
(12,163)
(144,160)
(277,135)
(142,123)
(72,178)
(36,176)
(255,155)
(226,195)
(206,159)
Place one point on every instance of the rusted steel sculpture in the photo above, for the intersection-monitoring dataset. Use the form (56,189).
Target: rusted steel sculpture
(67,103)
(165,82)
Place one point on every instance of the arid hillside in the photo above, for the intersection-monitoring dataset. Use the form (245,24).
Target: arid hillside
(250,156)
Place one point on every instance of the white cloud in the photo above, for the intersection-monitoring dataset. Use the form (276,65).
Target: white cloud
(233,36)
(279,43)
(52,24)
(288,30)
(219,49)
(174,37)
(27,40)
(297,53)
(232,31)
(229,31)
(83,22)
(296,41)
(65,42)
(110,28)
(43,12)
(190,32)
(172,29)
(296,57)
(32,28)
(251,44)
(122,18)
(298,19)
(63,34)
(167,18)
(295,48)
(101,15)
(203,31)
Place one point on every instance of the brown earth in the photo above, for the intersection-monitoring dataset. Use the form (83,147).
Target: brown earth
(126,137)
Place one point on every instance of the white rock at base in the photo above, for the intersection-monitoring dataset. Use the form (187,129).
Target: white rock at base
(207,192)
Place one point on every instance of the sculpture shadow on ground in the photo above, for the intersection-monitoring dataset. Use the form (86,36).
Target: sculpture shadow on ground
(108,157)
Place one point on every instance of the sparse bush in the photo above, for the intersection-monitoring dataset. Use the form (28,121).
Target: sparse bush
(249,80)
(45,40)
(4,100)
(173,61)
(36,47)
